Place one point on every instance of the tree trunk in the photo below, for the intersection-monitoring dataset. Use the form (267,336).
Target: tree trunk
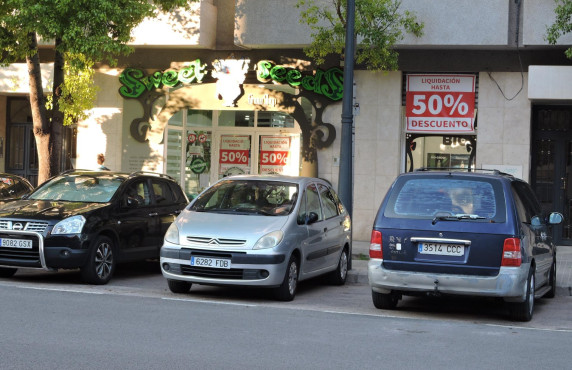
(41,126)
(57,117)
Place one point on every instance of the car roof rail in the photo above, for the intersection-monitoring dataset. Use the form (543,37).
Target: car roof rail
(459,169)
(150,173)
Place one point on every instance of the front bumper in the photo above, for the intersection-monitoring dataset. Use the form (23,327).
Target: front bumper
(248,268)
(53,253)
(510,283)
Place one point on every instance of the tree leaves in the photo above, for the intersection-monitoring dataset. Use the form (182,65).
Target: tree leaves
(379,25)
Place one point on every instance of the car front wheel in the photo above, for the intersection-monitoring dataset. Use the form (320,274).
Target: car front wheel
(101,263)
(287,290)
(7,272)
(177,286)
(522,311)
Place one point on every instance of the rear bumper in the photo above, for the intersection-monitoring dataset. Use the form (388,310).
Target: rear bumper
(510,283)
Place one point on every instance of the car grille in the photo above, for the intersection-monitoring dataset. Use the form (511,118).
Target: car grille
(26,257)
(216,242)
(213,273)
(39,227)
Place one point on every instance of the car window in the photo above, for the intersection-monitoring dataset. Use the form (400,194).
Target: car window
(178,195)
(426,197)
(527,204)
(162,192)
(260,197)
(79,188)
(12,187)
(313,201)
(328,202)
(137,194)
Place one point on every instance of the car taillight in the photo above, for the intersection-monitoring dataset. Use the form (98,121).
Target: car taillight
(511,255)
(375,250)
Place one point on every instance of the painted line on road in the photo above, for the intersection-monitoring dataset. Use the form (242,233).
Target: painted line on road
(210,302)
(525,327)
(53,289)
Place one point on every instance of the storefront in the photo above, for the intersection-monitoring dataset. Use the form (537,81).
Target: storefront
(216,122)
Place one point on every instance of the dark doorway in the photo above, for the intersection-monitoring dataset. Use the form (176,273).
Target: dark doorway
(551,169)
(21,153)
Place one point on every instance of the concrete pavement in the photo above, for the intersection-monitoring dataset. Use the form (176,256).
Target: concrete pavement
(358,273)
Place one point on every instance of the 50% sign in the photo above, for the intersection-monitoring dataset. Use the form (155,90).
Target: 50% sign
(274,158)
(454,106)
(234,156)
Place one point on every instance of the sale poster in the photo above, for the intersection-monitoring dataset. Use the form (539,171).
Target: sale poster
(440,103)
(234,155)
(274,152)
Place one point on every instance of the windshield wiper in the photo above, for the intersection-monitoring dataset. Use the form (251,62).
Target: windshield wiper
(456,217)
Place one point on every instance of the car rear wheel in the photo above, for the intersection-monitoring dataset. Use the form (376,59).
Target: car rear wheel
(522,311)
(340,274)
(177,286)
(384,301)
(552,281)
(101,263)
(7,272)
(287,290)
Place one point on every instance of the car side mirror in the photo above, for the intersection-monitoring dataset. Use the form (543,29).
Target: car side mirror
(555,218)
(133,202)
(312,217)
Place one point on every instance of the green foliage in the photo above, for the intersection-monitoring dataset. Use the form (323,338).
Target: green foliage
(78,92)
(562,25)
(378,26)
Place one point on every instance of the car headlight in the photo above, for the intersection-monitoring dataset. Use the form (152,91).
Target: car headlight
(71,225)
(172,234)
(269,240)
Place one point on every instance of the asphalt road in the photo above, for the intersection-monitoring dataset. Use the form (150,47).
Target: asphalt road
(50,321)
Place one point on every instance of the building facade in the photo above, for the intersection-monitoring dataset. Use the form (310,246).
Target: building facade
(226,88)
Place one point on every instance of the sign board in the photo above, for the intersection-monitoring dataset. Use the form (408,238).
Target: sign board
(234,155)
(438,104)
(274,151)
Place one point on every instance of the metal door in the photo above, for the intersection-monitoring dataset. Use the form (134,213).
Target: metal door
(551,170)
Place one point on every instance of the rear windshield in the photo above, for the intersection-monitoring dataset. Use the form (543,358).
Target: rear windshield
(428,197)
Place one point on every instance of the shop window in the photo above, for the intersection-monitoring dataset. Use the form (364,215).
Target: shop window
(435,151)
(229,118)
(274,119)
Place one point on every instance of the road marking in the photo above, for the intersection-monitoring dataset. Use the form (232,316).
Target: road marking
(53,289)
(211,302)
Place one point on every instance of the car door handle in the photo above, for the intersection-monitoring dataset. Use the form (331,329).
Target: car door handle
(153,214)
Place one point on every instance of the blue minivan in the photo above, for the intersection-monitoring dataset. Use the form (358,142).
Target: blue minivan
(480,233)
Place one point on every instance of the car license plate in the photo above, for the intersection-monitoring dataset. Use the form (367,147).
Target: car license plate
(16,243)
(441,249)
(217,263)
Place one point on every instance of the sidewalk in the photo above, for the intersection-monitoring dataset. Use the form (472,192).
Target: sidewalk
(360,254)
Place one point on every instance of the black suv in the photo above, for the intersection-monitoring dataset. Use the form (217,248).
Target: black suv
(469,233)
(90,220)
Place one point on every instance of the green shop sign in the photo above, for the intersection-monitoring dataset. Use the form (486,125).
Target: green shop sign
(328,83)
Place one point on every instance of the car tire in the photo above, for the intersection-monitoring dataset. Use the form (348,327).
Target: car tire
(178,286)
(340,274)
(552,281)
(287,290)
(384,301)
(7,272)
(523,311)
(101,263)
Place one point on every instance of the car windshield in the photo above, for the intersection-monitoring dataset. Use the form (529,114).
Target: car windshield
(256,197)
(79,188)
(447,199)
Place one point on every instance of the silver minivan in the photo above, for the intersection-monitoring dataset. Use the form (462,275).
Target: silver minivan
(253,230)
